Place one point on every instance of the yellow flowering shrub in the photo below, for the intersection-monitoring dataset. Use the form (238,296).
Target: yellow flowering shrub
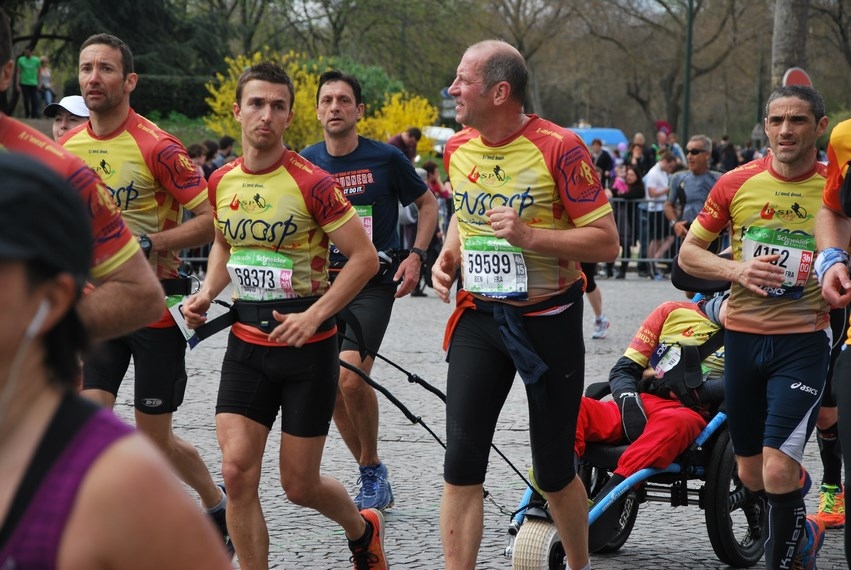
(399,112)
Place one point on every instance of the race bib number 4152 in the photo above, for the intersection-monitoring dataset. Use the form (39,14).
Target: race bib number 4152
(796,251)
(261,275)
(494,268)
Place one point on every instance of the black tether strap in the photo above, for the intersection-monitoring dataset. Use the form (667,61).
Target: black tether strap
(177,286)
(415,379)
(259,314)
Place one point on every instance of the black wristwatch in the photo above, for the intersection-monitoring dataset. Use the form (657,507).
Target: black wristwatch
(145,244)
(423,255)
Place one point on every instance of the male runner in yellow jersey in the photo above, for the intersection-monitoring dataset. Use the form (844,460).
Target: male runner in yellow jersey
(276,214)
(529,207)
(127,294)
(773,378)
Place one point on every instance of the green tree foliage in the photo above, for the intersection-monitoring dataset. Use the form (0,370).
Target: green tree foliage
(153,30)
(397,111)
(611,62)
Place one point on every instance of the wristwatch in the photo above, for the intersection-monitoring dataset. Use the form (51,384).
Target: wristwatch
(145,244)
(423,255)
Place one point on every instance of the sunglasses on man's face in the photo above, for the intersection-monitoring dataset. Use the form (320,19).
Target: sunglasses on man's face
(695,151)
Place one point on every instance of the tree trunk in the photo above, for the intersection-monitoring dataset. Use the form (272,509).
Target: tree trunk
(789,48)
(533,94)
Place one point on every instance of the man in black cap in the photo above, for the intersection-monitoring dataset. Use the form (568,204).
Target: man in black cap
(127,294)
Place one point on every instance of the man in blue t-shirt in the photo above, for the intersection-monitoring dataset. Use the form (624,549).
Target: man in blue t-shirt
(375,178)
(688,189)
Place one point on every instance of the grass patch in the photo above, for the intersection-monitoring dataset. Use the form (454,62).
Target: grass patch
(188,131)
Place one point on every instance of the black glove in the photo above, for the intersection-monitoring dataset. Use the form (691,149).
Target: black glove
(633,416)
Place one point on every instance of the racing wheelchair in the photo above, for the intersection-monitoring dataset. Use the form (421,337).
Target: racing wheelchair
(703,475)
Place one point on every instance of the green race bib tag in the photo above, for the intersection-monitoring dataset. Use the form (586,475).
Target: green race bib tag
(796,251)
(365,215)
(664,358)
(261,275)
(494,268)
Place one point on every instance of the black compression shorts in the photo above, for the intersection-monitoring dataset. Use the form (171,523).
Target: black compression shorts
(589,269)
(257,381)
(481,374)
(839,326)
(372,308)
(159,357)
(773,386)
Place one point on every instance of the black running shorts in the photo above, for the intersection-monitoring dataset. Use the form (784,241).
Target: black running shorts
(159,356)
(257,381)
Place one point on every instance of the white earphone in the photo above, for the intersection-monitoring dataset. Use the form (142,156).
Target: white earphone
(38,319)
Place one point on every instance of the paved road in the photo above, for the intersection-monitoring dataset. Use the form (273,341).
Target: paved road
(664,537)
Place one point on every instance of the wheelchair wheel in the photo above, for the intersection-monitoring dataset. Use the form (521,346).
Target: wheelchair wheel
(538,547)
(733,515)
(594,478)
(628,514)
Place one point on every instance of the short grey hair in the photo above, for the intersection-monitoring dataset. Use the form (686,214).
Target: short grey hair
(704,140)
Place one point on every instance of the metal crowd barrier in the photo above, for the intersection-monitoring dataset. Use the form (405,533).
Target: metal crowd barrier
(638,226)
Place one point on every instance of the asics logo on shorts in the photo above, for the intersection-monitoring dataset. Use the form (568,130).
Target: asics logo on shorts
(152,402)
(804,388)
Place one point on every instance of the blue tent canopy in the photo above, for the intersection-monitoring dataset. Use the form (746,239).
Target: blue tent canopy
(610,137)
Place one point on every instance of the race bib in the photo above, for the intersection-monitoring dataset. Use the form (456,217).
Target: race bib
(796,251)
(261,275)
(365,215)
(494,268)
(664,358)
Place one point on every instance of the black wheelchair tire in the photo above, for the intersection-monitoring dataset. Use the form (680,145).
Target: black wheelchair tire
(733,516)
(628,514)
(594,478)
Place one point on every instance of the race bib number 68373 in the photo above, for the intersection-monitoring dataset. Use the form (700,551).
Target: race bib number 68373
(261,275)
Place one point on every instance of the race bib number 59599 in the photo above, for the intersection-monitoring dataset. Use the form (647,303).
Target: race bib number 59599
(494,268)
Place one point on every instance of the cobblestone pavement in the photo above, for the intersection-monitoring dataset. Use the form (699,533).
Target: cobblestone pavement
(664,537)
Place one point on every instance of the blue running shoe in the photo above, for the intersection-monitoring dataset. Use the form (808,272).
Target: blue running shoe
(375,492)
(810,544)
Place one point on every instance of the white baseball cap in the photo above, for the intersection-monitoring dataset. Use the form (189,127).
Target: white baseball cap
(74,104)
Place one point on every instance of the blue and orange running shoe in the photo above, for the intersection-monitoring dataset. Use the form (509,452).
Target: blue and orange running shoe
(809,545)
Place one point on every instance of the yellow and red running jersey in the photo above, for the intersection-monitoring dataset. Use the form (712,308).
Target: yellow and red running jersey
(770,214)
(675,323)
(149,175)
(546,174)
(112,240)
(838,157)
(286,213)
